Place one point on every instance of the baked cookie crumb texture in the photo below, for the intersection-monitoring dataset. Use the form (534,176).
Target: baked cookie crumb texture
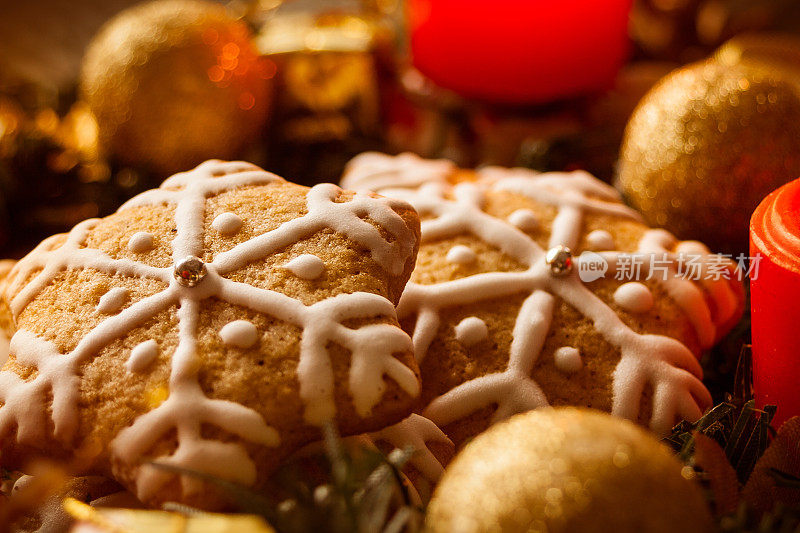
(493,237)
(43,387)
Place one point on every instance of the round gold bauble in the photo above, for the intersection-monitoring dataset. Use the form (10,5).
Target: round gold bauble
(706,145)
(175,82)
(566,470)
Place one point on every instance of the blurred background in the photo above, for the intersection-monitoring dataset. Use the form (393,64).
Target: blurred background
(100,100)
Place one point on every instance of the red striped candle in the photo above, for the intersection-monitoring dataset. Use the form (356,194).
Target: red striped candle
(775,301)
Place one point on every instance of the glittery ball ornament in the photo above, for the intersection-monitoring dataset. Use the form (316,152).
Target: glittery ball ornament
(706,144)
(175,82)
(567,470)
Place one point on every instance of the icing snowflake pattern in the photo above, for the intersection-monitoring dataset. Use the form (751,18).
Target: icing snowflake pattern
(187,408)
(413,433)
(449,210)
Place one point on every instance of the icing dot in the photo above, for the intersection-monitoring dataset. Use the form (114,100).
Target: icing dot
(471,330)
(239,333)
(306,266)
(600,239)
(524,219)
(227,223)
(142,356)
(568,359)
(140,242)
(461,255)
(634,297)
(112,301)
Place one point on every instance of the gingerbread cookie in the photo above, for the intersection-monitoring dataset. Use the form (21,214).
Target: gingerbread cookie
(507,315)
(211,325)
(6,320)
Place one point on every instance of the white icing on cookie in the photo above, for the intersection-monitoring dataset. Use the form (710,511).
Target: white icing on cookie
(5,344)
(416,432)
(142,356)
(661,362)
(634,297)
(661,256)
(491,173)
(113,300)
(373,170)
(187,408)
(568,359)
(600,239)
(306,266)
(140,242)
(471,330)
(239,333)
(227,223)
(524,219)
(461,255)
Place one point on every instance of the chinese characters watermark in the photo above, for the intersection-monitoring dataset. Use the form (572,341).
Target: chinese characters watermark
(664,266)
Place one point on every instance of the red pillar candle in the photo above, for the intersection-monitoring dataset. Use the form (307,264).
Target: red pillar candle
(775,301)
(519,51)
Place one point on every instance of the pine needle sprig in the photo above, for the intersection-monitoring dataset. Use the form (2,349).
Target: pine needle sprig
(728,449)
(351,489)
(736,424)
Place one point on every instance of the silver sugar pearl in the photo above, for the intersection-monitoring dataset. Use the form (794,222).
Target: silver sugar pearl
(190,271)
(559,258)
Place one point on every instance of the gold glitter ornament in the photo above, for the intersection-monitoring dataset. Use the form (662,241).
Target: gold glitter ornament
(175,82)
(707,144)
(566,470)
